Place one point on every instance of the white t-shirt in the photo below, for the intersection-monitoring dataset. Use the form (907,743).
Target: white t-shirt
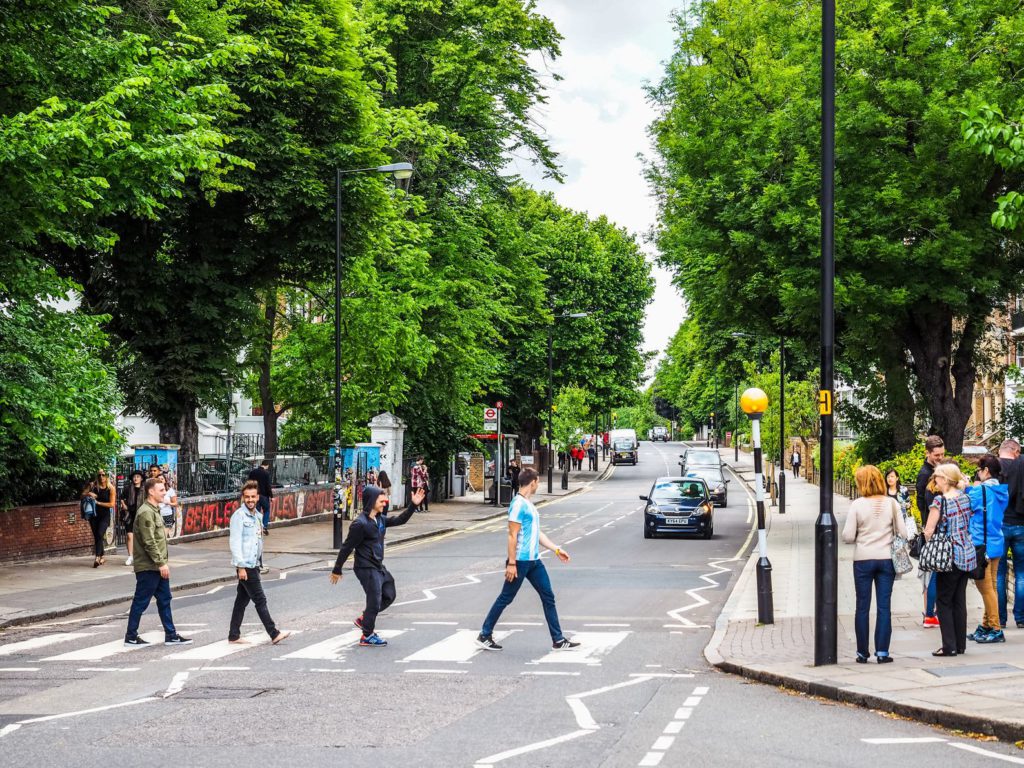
(166,508)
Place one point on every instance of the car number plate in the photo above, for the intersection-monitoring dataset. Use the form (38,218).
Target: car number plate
(676,520)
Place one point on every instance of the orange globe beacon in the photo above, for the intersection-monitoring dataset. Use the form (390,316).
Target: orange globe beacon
(754,401)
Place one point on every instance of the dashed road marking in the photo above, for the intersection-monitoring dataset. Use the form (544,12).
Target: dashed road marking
(664,742)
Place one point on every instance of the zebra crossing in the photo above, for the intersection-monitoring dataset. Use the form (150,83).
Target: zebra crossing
(439,644)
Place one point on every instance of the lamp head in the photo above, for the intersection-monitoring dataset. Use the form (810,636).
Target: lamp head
(754,402)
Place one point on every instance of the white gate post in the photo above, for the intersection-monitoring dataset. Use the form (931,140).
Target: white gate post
(388,431)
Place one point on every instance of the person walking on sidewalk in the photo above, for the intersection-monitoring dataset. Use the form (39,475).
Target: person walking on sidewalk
(130,503)
(152,573)
(246,542)
(872,521)
(419,478)
(106,501)
(523,563)
(261,475)
(592,455)
(1013,533)
(935,452)
(794,461)
(950,513)
(988,500)
(366,539)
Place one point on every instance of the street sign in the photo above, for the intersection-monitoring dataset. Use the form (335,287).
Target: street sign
(490,414)
(500,405)
(825,402)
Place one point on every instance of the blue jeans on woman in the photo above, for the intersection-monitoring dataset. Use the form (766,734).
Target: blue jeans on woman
(881,575)
(1014,535)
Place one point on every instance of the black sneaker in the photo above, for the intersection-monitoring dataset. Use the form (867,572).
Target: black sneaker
(565,644)
(1020,625)
(178,640)
(130,641)
(487,643)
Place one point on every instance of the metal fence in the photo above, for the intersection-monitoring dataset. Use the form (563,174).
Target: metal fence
(842,486)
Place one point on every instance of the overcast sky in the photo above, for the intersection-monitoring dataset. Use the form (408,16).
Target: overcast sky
(596,119)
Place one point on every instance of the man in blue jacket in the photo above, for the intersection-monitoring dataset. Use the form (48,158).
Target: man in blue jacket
(989,500)
(366,539)
(246,542)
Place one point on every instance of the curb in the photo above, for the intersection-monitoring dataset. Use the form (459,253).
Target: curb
(1002,729)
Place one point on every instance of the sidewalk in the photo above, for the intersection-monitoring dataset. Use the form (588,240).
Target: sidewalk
(982,691)
(45,589)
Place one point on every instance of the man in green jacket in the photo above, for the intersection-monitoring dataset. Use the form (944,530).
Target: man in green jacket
(152,574)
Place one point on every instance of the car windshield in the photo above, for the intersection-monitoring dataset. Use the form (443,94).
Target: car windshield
(712,475)
(623,445)
(710,458)
(678,491)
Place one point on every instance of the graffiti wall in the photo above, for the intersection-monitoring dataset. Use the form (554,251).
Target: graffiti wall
(213,513)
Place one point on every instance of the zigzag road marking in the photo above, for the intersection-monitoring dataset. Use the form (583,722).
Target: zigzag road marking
(698,599)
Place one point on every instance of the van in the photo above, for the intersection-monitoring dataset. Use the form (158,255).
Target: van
(617,435)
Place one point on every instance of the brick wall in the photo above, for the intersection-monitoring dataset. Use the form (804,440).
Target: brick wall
(43,531)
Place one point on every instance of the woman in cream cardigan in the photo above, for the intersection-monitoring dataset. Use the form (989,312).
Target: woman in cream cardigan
(870,525)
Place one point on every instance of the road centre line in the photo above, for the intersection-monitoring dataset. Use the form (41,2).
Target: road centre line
(674,727)
(24,669)
(987,753)
(907,740)
(660,746)
(436,671)
(108,669)
(551,674)
(573,541)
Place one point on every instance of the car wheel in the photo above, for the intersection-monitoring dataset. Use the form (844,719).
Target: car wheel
(648,534)
(725,500)
(710,531)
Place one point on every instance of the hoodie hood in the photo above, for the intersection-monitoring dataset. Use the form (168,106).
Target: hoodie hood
(370,496)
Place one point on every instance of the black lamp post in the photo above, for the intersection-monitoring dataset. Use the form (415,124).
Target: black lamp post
(551,394)
(826,564)
(735,434)
(401,173)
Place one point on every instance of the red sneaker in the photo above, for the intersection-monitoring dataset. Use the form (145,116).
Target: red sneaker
(930,621)
(359,621)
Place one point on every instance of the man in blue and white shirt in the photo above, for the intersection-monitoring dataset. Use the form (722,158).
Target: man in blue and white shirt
(524,542)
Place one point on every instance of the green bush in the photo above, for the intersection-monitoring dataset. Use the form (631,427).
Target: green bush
(908,464)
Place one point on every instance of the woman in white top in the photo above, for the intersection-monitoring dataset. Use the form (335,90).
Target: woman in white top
(870,524)
(169,506)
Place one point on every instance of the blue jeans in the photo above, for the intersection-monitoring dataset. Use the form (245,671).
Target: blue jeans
(1015,545)
(929,609)
(264,504)
(534,572)
(148,585)
(880,574)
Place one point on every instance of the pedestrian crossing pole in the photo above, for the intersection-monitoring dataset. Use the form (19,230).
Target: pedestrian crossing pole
(754,402)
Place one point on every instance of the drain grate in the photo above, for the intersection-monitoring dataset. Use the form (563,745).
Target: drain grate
(221,693)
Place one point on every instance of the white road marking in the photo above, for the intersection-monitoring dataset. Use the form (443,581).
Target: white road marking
(430,594)
(906,740)
(41,642)
(216,589)
(593,646)
(606,625)
(987,753)
(64,715)
(9,729)
(683,713)
(333,649)
(102,651)
(333,669)
(669,675)
(219,669)
(667,739)
(487,762)
(652,758)
(573,541)
(177,684)
(698,599)
(588,533)
(24,669)
(583,717)
(610,522)
(220,649)
(460,647)
(663,743)
(700,691)
(521,623)
(108,669)
(435,623)
(551,673)
(674,727)
(435,671)
(691,701)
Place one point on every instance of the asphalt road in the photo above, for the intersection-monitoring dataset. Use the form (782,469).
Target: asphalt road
(637,693)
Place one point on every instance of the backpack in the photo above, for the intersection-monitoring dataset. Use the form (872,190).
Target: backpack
(88,507)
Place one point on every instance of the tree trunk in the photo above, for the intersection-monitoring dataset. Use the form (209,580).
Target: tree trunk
(899,402)
(266,354)
(946,376)
(184,433)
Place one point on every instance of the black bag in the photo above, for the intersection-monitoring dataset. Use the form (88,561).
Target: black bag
(937,552)
(915,546)
(981,550)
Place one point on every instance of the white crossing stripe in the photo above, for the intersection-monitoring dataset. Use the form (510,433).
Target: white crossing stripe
(220,649)
(333,649)
(593,646)
(651,759)
(41,642)
(460,647)
(104,650)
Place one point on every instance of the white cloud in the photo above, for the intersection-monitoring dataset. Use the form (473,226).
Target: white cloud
(597,117)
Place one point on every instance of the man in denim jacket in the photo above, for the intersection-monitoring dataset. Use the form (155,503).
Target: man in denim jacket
(246,551)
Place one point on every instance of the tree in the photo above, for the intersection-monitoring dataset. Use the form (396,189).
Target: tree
(737,178)
(570,418)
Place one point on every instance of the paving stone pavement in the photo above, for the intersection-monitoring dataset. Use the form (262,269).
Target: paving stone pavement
(980,691)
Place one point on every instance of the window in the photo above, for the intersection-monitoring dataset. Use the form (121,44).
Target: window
(1019,354)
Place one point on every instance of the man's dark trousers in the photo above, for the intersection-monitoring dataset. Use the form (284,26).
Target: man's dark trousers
(250,589)
(149,584)
(379,587)
(264,505)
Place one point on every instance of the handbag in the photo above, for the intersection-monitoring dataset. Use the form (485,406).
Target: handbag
(937,552)
(981,551)
(900,550)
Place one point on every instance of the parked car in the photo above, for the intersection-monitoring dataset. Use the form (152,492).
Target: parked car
(716,482)
(624,452)
(699,457)
(679,505)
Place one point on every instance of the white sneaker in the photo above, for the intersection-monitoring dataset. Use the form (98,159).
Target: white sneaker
(129,561)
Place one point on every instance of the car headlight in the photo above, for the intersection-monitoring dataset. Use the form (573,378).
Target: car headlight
(719,488)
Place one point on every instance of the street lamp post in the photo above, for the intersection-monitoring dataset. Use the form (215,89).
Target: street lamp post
(736,428)
(551,396)
(826,565)
(782,425)
(401,173)
(754,402)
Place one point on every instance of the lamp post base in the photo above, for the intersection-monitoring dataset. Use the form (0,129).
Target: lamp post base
(765,602)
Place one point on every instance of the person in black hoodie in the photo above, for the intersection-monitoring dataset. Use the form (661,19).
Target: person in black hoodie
(366,539)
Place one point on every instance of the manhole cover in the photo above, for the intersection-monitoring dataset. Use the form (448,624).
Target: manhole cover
(221,693)
(975,669)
